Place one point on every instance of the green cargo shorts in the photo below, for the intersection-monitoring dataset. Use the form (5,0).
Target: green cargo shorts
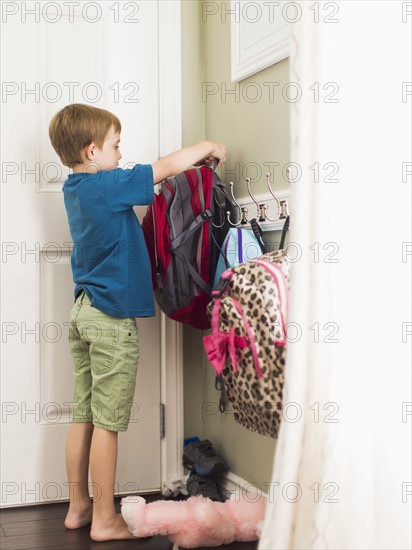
(105,350)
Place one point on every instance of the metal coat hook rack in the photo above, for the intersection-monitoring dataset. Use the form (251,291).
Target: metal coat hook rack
(262,208)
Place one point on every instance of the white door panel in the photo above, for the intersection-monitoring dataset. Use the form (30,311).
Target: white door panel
(109,63)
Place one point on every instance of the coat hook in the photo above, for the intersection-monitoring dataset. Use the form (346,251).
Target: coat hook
(284,205)
(243,211)
(276,199)
(260,209)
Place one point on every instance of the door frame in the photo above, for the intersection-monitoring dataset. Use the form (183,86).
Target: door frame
(171,333)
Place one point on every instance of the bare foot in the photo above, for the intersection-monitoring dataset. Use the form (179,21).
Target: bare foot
(115,529)
(78,518)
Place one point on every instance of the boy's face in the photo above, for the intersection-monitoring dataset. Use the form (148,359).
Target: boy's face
(108,157)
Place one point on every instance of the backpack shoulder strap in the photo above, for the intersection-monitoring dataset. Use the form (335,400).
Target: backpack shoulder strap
(258,234)
(284,231)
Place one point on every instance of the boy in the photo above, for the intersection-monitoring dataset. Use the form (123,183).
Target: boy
(111,270)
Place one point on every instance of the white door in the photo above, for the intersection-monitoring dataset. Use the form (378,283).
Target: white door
(55,53)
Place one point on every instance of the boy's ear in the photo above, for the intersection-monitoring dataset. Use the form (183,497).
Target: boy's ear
(89,151)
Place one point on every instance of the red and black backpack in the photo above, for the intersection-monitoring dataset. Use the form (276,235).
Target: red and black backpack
(184,229)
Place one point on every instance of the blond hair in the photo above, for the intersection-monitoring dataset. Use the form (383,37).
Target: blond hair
(76,126)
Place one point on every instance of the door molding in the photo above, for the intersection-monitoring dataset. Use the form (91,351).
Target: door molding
(171,334)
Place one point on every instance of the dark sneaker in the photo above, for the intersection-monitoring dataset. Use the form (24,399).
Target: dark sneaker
(205,486)
(201,458)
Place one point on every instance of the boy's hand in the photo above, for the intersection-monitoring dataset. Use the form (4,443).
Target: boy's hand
(219,152)
(203,152)
(209,161)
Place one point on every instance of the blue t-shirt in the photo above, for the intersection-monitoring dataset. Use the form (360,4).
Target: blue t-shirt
(110,261)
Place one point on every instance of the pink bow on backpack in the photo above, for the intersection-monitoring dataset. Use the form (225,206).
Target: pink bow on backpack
(218,343)
(216,348)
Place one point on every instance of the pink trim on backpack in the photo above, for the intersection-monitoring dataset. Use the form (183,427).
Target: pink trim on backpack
(227,274)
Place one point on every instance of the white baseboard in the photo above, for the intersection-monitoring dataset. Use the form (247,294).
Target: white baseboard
(235,485)
(230,484)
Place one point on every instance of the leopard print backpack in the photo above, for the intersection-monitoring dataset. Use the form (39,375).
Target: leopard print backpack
(247,347)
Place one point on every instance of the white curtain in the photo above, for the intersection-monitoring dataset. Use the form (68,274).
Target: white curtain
(342,468)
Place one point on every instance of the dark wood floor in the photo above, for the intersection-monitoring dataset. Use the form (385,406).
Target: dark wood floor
(42,528)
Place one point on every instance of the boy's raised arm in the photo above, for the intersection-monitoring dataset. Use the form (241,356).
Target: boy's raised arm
(181,160)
